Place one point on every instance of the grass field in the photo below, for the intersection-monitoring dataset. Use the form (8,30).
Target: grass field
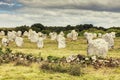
(11,72)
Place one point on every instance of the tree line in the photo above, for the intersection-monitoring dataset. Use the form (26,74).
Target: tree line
(38,27)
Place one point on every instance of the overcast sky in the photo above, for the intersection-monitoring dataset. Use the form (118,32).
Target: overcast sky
(104,13)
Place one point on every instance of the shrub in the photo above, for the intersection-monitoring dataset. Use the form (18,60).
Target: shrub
(22,62)
(57,67)
(63,68)
(1,52)
(75,70)
(53,59)
(45,66)
(8,50)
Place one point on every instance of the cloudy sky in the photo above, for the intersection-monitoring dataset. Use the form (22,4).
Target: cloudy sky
(104,13)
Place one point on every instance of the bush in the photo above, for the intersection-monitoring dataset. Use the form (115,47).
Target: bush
(57,67)
(22,62)
(53,59)
(45,66)
(74,70)
(46,32)
(1,52)
(63,68)
(8,50)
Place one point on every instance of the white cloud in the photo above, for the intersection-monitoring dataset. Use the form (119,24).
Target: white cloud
(8,4)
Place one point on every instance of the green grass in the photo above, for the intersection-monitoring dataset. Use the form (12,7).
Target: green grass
(11,72)
(50,48)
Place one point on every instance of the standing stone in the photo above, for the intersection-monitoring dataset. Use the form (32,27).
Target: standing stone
(112,34)
(99,35)
(97,47)
(2,33)
(44,36)
(69,35)
(94,35)
(40,33)
(74,35)
(5,42)
(61,41)
(40,43)
(53,35)
(88,36)
(19,34)
(11,35)
(25,33)
(110,39)
(32,36)
(62,33)
(19,41)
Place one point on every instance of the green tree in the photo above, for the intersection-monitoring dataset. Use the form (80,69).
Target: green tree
(22,28)
(37,27)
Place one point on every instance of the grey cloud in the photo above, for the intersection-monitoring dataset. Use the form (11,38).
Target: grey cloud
(70,16)
(64,12)
(95,5)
